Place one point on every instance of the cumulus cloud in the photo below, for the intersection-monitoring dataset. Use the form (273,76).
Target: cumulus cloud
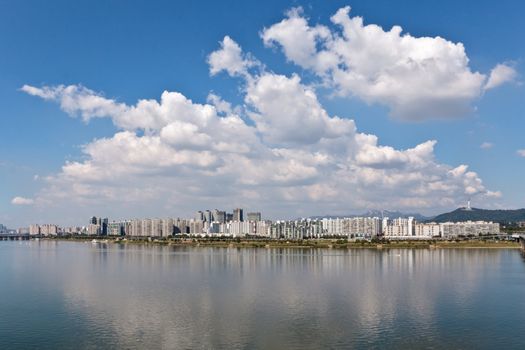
(282,152)
(521,152)
(22,201)
(501,74)
(417,78)
(230,58)
(287,112)
(486,145)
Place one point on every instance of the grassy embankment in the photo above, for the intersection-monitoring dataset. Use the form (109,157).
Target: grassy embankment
(306,244)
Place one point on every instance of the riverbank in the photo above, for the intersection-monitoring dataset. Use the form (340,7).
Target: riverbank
(303,244)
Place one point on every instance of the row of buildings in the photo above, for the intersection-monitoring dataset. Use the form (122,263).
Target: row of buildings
(44,230)
(371,227)
(223,217)
(354,227)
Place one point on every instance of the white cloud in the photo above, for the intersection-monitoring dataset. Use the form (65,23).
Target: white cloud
(230,58)
(417,78)
(299,41)
(76,99)
(501,74)
(22,201)
(521,152)
(287,112)
(486,145)
(175,155)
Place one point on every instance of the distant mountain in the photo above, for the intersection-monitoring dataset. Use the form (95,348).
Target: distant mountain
(476,214)
(395,214)
(379,214)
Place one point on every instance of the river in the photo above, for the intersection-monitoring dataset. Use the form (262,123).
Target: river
(75,295)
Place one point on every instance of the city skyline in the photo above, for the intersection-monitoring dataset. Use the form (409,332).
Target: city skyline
(221,225)
(296,109)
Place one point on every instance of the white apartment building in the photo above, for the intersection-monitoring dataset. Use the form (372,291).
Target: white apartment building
(34,230)
(356,226)
(136,228)
(239,228)
(398,228)
(467,228)
(93,230)
(263,228)
(45,229)
(167,227)
(332,227)
(427,230)
(196,227)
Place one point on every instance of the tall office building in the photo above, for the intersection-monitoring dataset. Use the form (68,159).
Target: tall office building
(208,217)
(199,216)
(104,226)
(219,216)
(238,214)
(255,216)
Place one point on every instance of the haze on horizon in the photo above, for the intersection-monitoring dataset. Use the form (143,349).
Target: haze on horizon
(292,109)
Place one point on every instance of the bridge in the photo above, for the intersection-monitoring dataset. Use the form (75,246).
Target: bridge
(520,237)
(14,236)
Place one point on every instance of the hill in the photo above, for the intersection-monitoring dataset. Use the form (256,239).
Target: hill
(476,214)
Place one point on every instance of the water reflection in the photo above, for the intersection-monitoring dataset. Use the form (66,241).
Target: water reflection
(132,296)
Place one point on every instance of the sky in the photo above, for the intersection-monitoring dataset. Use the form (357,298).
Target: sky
(130,109)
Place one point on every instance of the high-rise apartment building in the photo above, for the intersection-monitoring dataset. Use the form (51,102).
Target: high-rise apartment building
(34,230)
(167,227)
(146,227)
(136,228)
(93,230)
(156,228)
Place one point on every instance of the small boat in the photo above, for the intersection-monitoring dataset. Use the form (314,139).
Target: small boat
(94,241)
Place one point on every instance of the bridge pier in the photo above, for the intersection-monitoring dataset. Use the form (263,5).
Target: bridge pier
(522,242)
(14,237)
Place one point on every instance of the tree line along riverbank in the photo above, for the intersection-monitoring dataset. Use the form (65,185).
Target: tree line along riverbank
(304,244)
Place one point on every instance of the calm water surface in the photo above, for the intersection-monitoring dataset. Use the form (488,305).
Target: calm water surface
(87,296)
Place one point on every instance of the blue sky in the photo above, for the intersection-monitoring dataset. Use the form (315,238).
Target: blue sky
(132,50)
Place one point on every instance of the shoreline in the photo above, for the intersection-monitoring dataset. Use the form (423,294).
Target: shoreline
(303,244)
